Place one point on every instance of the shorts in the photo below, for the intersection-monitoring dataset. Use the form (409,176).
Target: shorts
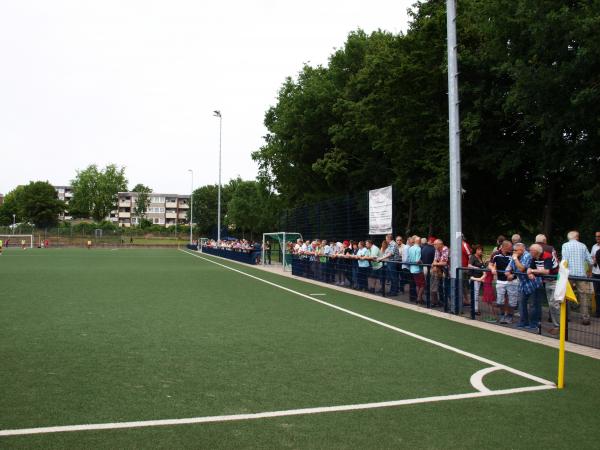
(511,289)
(419,279)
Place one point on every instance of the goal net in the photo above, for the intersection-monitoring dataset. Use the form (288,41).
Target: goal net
(276,248)
(16,240)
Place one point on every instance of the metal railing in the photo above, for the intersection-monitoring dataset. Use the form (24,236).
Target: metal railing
(459,295)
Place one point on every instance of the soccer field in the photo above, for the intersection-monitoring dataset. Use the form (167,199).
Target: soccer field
(172,349)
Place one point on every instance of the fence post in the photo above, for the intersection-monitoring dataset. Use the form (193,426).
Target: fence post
(455,291)
(473,299)
(428,287)
(383,278)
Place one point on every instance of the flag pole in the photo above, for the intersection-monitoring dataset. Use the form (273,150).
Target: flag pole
(561,349)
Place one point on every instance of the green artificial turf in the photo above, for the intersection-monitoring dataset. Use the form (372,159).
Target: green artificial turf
(90,336)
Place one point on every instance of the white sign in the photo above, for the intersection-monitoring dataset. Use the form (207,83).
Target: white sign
(380,211)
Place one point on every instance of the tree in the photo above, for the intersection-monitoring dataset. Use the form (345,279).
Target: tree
(95,191)
(11,204)
(376,114)
(252,207)
(205,207)
(142,202)
(39,204)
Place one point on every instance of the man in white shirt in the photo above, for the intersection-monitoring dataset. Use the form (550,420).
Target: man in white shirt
(596,271)
(579,262)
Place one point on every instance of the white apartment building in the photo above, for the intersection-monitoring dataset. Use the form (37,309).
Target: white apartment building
(163,209)
(65,193)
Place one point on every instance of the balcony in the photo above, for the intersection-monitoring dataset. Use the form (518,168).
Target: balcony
(171,205)
(124,214)
(183,206)
(125,203)
(171,215)
(183,216)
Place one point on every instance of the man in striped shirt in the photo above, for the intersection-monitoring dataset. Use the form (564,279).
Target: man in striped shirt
(580,263)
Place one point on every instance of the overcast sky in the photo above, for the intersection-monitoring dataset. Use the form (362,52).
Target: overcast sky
(135,82)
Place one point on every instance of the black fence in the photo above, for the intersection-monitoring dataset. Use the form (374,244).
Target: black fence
(340,217)
(239,255)
(469,292)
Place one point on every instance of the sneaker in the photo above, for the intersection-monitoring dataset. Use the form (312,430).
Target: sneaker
(533,327)
(509,319)
(502,319)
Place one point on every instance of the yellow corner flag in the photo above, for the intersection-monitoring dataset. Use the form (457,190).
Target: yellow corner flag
(563,291)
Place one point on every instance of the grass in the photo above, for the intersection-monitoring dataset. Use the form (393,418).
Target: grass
(108,336)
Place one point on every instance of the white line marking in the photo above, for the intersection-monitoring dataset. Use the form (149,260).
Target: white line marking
(477,378)
(387,325)
(317,294)
(266,415)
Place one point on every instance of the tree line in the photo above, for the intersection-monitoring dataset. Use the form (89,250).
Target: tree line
(248,207)
(376,115)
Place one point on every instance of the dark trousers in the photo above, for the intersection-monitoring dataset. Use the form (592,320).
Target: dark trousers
(404,275)
(363,273)
(392,275)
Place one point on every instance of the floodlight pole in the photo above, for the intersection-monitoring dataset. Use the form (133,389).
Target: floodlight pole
(191,205)
(217,113)
(14,222)
(454,142)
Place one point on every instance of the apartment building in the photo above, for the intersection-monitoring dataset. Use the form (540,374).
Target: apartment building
(65,193)
(163,209)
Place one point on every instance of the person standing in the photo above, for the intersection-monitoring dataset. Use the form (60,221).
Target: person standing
(375,278)
(550,283)
(363,266)
(478,276)
(596,271)
(267,252)
(465,253)
(427,255)
(439,269)
(530,286)
(414,257)
(392,260)
(506,284)
(542,263)
(578,257)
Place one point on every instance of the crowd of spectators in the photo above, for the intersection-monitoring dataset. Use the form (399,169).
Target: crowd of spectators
(238,245)
(512,281)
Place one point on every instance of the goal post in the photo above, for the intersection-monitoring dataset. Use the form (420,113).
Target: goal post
(275,248)
(14,240)
(202,242)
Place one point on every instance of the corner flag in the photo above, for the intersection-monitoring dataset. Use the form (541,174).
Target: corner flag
(563,290)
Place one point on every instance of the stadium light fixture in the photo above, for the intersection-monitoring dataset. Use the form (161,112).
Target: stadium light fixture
(217,113)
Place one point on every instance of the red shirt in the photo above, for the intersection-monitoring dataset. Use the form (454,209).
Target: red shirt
(466,252)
